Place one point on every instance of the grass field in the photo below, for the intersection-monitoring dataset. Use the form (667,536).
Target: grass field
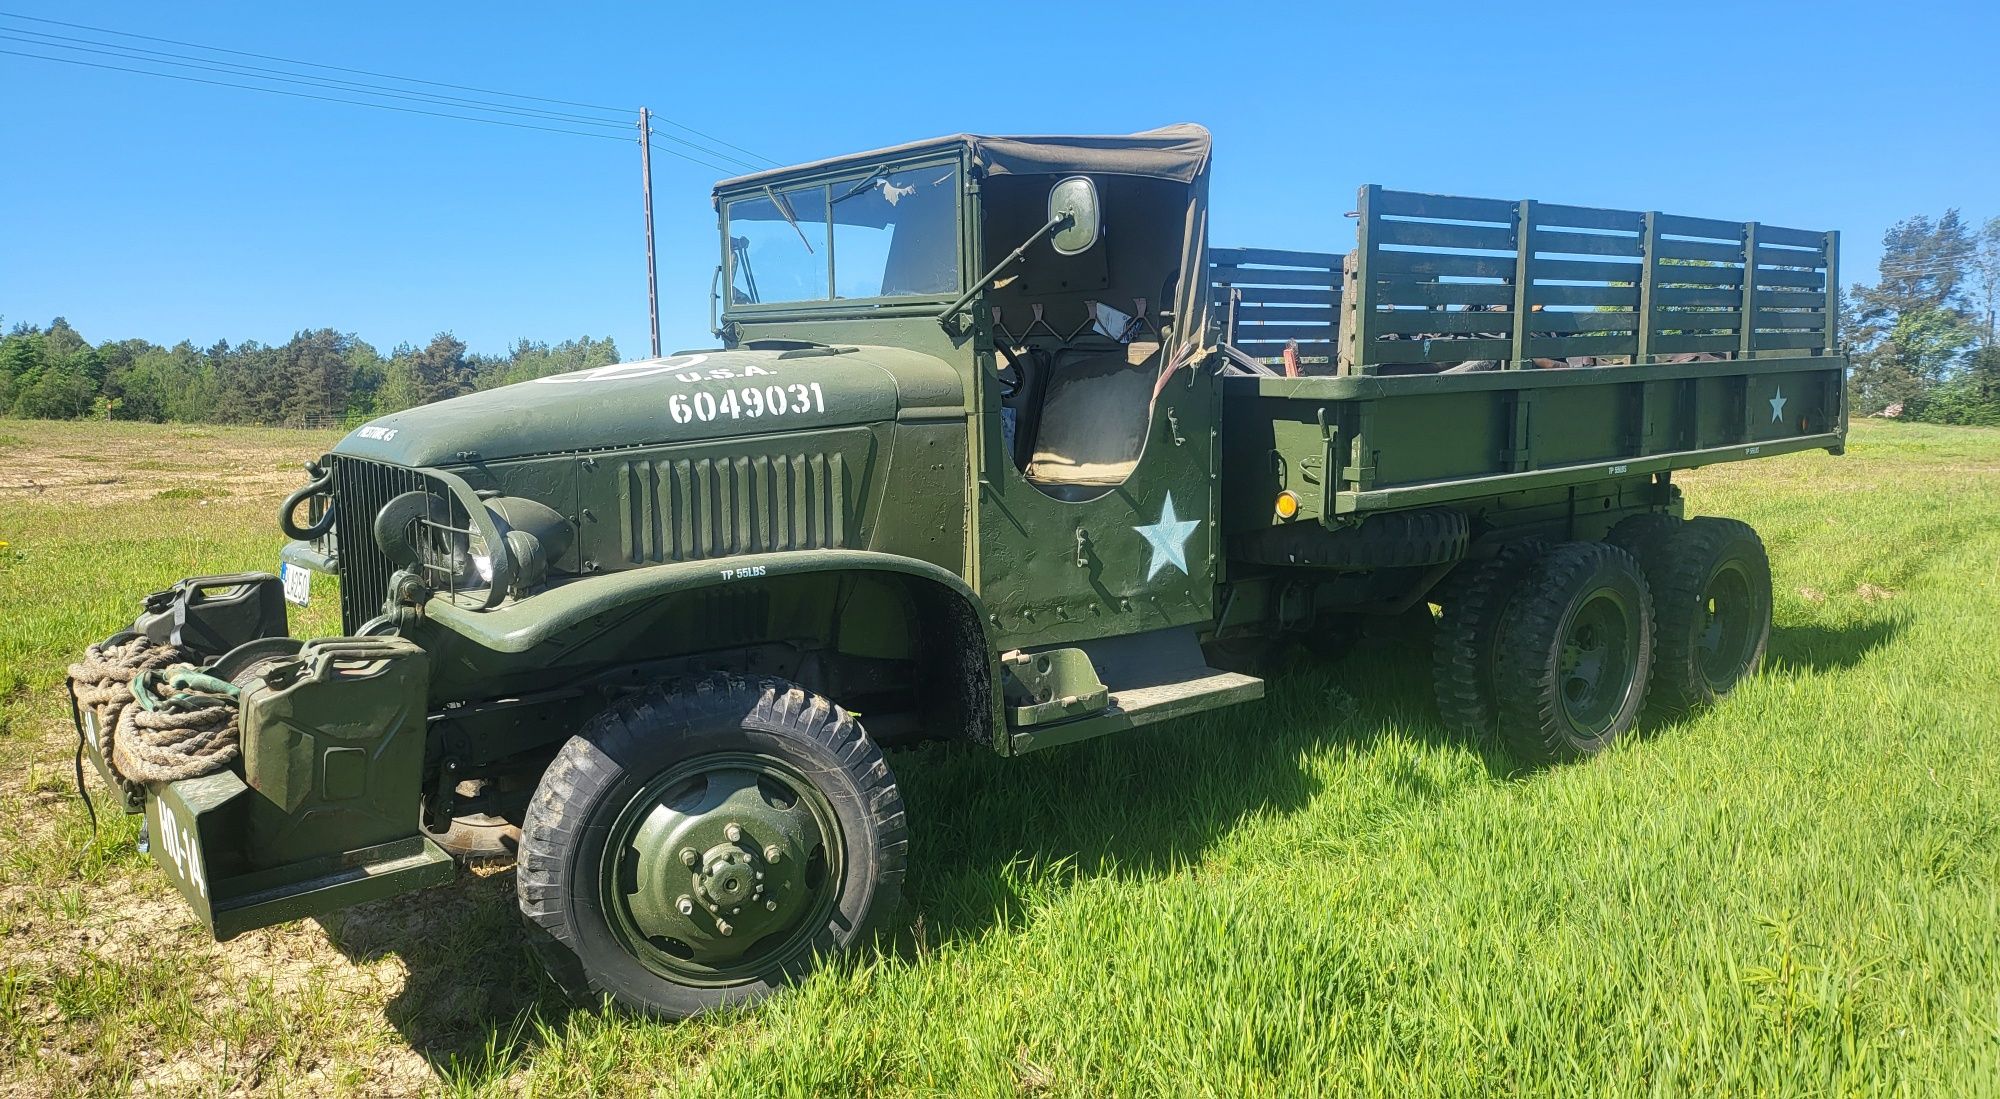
(1796,893)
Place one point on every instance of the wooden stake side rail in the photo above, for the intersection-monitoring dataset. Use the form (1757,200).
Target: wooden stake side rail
(1431,271)
(1444,279)
(1266,297)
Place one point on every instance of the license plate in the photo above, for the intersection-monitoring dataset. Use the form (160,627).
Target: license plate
(298,583)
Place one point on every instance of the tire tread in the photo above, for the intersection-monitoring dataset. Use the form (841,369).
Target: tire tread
(586,765)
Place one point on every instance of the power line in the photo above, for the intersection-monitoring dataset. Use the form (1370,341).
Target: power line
(670,152)
(314,64)
(717,140)
(322,98)
(364,103)
(251,71)
(651,132)
(620,111)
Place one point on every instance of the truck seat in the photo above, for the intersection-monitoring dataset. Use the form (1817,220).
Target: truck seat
(1095,416)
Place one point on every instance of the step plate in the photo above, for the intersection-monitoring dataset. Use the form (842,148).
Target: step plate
(1200,689)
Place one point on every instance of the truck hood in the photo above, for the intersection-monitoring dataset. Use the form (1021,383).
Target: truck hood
(688,397)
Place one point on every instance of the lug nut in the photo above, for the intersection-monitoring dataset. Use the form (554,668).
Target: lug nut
(723,926)
(690,858)
(770,906)
(685,905)
(771,853)
(734,832)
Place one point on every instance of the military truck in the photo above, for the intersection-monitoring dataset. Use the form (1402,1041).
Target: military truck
(993,447)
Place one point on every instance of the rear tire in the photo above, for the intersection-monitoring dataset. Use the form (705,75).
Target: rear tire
(1573,653)
(694,849)
(1462,648)
(1711,585)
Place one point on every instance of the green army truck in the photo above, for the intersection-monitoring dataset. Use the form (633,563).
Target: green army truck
(993,447)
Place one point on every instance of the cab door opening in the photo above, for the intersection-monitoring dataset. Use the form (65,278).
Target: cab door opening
(1082,338)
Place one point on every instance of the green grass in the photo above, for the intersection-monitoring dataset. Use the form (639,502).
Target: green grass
(1795,893)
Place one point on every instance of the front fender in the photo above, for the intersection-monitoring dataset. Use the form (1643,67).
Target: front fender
(519,626)
(572,614)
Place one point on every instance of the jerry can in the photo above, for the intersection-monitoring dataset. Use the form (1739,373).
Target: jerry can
(333,740)
(211,615)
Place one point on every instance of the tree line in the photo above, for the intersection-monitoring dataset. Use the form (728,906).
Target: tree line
(1923,336)
(319,377)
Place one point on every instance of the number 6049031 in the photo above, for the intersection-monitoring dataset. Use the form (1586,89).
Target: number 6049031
(747,402)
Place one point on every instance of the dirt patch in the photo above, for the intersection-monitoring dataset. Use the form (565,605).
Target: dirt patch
(72,464)
(144,934)
(1870,593)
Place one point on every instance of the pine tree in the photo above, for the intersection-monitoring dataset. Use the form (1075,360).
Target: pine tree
(1911,329)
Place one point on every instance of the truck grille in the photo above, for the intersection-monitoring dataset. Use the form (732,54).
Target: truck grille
(361,489)
(693,508)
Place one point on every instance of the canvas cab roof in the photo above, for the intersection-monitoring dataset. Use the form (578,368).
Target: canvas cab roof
(1178,152)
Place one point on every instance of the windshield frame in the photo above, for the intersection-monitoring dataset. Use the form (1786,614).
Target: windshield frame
(837,180)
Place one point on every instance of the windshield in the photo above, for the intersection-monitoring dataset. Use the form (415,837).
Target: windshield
(889,234)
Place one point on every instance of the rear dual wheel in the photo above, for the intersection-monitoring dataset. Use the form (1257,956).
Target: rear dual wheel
(1546,646)
(1573,653)
(1711,584)
(1474,602)
(1557,649)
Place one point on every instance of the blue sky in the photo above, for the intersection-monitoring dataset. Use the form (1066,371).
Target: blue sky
(144,207)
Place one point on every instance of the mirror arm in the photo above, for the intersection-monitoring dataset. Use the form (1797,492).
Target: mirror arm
(714,296)
(1060,221)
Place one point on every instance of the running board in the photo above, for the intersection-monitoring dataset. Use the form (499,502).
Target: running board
(1204,689)
(1140,692)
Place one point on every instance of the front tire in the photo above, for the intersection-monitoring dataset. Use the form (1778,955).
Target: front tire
(697,848)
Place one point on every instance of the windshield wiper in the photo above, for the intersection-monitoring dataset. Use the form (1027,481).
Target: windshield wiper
(881,170)
(785,208)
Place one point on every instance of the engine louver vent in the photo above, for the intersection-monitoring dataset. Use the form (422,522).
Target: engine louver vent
(691,509)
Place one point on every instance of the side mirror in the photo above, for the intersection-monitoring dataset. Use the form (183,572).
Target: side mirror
(1074,198)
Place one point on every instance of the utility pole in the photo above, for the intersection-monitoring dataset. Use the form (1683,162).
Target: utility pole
(652,268)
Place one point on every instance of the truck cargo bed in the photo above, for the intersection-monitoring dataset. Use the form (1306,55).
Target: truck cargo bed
(1348,445)
(1469,348)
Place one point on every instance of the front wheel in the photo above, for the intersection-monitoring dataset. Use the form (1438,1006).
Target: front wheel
(697,848)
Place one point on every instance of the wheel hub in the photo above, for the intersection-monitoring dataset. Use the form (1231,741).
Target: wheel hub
(1594,665)
(720,868)
(1727,626)
(731,877)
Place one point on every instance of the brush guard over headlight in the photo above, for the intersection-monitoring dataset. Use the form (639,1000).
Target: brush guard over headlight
(319,808)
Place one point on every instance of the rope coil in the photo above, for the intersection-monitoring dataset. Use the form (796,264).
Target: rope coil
(159,718)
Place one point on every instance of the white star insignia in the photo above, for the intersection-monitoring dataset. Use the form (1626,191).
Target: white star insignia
(1168,538)
(1778,405)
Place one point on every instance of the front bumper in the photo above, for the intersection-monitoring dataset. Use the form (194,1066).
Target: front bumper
(197,828)
(321,809)
(196,831)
